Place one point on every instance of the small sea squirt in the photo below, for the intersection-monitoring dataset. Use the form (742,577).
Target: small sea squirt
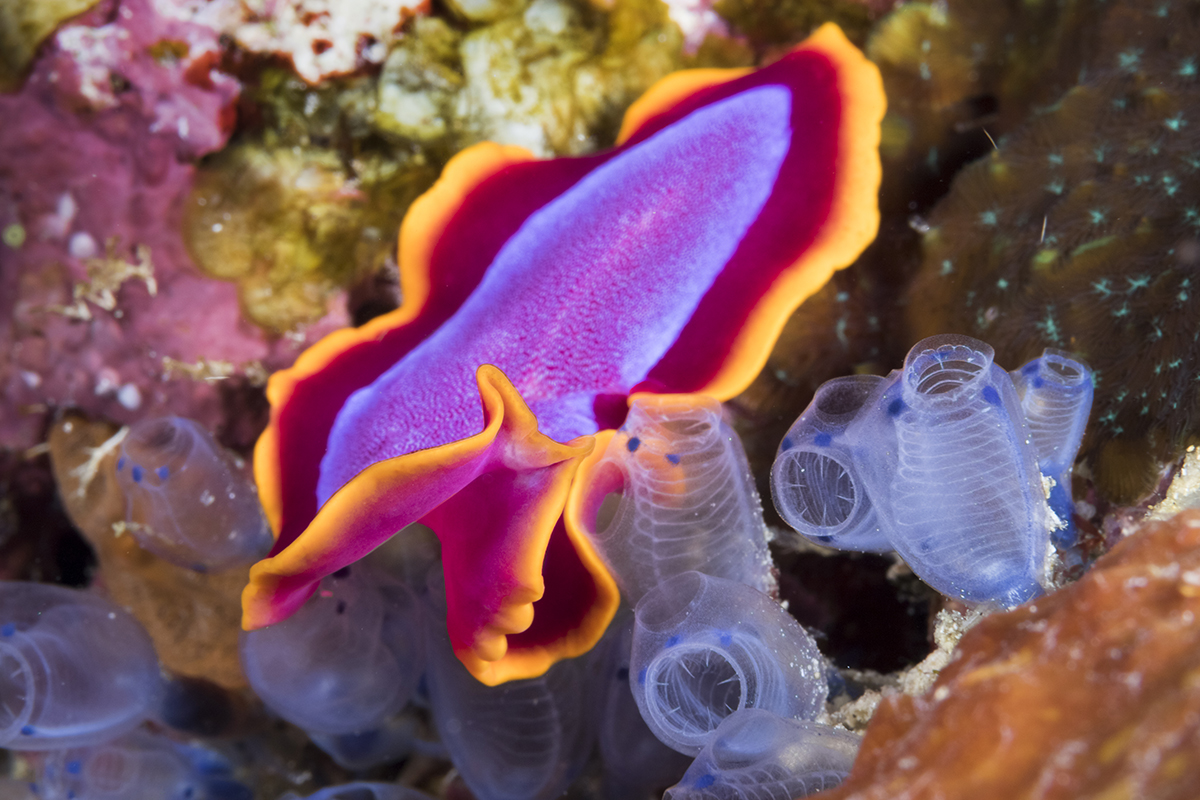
(944,462)
(706,647)
(75,670)
(186,499)
(670,492)
(757,755)
(547,292)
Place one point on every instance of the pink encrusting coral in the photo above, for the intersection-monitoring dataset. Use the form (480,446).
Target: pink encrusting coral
(99,301)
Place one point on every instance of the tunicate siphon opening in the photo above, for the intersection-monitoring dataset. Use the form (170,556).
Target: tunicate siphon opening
(676,427)
(747,738)
(159,435)
(940,368)
(839,400)
(691,688)
(814,492)
(16,689)
(1059,367)
(670,602)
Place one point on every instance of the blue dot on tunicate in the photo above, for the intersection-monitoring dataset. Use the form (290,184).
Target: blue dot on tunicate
(726,639)
(120,463)
(8,630)
(787,443)
(706,780)
(895,407)
(162,473)
(633,444)
(27,730)
(674,640)
(642,677)
(137,473)
(674,459)
(74,767)
(822,439)
(991,395)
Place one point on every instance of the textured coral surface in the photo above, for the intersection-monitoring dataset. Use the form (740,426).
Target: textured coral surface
(1091,692)
(1081,231)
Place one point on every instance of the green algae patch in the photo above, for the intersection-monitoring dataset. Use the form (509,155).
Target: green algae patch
(292,226)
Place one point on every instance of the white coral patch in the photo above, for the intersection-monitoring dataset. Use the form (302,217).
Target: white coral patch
(697,20)
(325,37)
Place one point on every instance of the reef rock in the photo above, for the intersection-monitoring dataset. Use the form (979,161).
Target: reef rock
(1081,231)
(1093,691)
(100,306)
(773,25)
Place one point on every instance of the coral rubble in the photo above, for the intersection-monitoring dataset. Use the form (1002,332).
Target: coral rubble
(1089,692)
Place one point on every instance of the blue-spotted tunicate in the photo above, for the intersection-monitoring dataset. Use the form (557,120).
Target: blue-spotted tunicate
(1056,397)
(362,790)
(347,661)
(674,493)
(939,462)
(138,766)
(757,755)
(186,499)
(819,486)
(636,763)
(705,647)
(396,739)
(75,670)
(520,740)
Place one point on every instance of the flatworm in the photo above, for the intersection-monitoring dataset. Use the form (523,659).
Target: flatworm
(548,292)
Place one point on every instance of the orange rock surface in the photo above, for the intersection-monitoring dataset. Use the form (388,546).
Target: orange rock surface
(1092,692)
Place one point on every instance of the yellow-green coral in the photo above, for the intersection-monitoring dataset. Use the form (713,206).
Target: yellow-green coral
(290,226)
(552,76)
(24,24)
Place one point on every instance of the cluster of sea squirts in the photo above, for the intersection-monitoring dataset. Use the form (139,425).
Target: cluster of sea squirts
(709,659)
